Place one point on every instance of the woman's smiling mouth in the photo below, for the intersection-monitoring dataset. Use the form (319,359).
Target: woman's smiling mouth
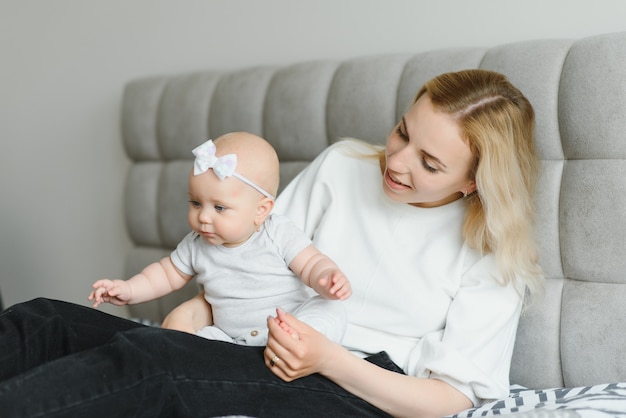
(393,183)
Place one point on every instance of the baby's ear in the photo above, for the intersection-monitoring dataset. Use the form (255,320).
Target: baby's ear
(263,210)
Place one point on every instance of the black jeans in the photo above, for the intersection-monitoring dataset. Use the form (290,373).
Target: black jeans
(64,360)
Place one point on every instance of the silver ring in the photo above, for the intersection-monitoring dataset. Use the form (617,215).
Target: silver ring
(274,360)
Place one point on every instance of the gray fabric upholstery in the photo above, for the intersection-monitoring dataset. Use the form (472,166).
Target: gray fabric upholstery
(576,333)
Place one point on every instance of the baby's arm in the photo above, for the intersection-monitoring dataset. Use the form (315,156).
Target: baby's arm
(154,281)
(321,273)
(190,316)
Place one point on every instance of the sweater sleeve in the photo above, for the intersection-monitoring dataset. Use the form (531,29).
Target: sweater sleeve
(473,352)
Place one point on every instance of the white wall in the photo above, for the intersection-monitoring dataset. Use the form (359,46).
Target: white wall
(63,65)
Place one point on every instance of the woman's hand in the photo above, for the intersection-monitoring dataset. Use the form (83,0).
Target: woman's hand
(294,349)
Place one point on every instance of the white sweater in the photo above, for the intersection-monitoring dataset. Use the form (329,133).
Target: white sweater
(419,293)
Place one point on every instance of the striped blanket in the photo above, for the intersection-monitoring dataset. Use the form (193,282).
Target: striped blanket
(599,401)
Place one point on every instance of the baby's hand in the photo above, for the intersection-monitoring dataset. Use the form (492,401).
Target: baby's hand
(117,292)
(333,284)
(284,325)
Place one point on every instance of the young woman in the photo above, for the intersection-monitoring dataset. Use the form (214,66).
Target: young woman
(435,235)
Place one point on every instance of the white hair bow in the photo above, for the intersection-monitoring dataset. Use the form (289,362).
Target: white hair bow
(223,166)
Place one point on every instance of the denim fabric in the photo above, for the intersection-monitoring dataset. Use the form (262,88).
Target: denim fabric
(63,360)
(383,360)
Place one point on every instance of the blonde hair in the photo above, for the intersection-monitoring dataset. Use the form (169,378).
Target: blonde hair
(498,123)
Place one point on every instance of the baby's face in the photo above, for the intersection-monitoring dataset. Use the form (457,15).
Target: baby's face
(223,212)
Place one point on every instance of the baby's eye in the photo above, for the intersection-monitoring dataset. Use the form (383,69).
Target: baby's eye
(220,208)
(194,203)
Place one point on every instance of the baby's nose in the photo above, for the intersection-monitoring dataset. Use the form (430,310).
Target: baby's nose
(205,217)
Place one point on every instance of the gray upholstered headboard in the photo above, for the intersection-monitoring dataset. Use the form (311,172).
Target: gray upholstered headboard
(576,334)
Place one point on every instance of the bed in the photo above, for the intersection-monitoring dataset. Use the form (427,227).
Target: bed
(569,356)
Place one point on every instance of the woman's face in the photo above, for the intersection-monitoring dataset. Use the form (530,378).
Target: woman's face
(427,161)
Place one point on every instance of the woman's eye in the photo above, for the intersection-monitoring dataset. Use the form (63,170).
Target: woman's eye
(194,203)
(428,167)
(401,133)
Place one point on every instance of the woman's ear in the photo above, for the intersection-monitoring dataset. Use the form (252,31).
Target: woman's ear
(469,189)
(263,210)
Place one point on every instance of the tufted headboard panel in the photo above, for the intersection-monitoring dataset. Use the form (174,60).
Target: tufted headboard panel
(572,336)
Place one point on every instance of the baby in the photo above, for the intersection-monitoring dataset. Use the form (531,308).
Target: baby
(246,258)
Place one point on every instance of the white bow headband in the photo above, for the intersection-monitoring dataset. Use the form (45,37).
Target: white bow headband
(223,166)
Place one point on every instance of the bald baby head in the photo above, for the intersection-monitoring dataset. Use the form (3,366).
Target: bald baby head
(256,158)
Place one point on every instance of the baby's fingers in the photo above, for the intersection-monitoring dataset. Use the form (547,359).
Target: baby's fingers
(96,296)
(344,293)
(324,282)
(106,283)
(341,288)
(114,291)
(338,282)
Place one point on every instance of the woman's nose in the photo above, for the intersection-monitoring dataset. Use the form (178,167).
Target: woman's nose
(397,161)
